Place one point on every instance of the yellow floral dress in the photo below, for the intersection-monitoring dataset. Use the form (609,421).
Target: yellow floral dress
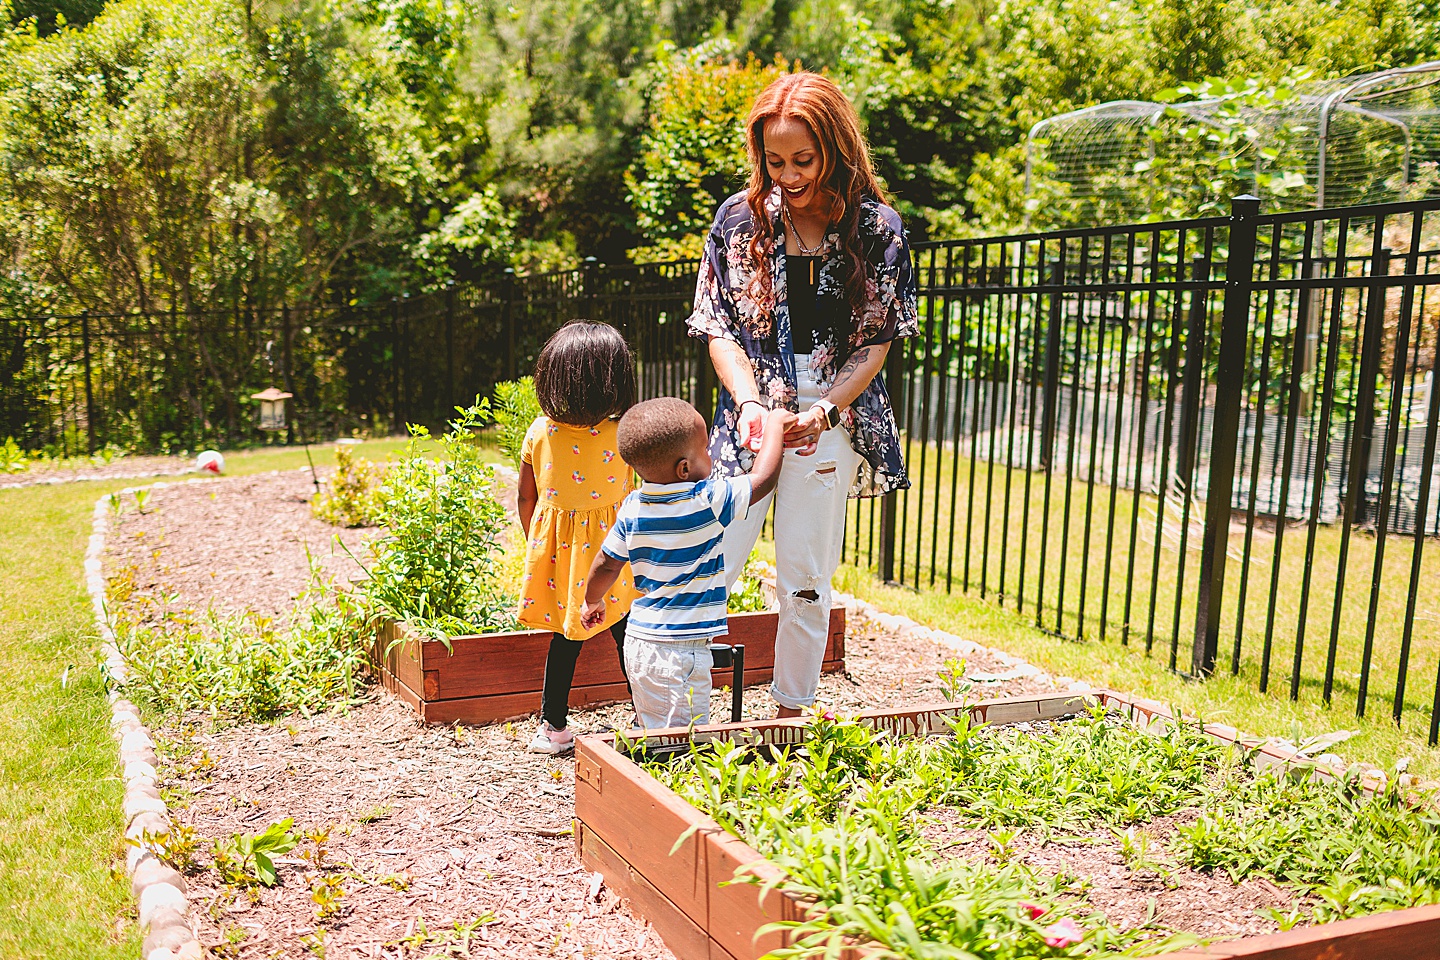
(581,481)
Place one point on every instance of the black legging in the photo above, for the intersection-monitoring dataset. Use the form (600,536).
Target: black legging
(560,673)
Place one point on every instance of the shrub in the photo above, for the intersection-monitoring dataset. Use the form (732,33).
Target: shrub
(12,458)
(437,567)
(512,410)
(353,497)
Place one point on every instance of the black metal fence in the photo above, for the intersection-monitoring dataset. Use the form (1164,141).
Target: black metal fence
(1211,439)
(1199,437)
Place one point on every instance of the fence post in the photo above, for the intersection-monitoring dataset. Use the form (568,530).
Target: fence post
(590,289)
(507,293)
(1052,365)
(292,415)
(89,389)
(397,423)
(1189,453)
(889,503)
(1356,503)
(449,348)
(1225,431)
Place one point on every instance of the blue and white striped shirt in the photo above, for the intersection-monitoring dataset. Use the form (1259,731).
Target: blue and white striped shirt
(672,535)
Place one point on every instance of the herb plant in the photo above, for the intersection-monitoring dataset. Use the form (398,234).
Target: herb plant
(437,566)
(247,667)
(245,859)
(748,594)
(352,498)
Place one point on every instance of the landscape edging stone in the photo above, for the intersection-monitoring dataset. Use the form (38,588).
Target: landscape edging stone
(160,892)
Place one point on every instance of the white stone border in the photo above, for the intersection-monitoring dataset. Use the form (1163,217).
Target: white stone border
(92,478)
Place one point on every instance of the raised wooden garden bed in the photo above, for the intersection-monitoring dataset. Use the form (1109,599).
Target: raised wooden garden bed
(627,823)
(498,676)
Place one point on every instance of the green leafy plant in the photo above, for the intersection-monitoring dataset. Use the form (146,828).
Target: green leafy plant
(247,667)
(436,567)
(748,595)
(327,892)
(12,458)
(352,497)
(246,858)
(512,410)
(176,846)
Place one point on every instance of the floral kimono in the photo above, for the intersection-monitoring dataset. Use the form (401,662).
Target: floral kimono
(723,308)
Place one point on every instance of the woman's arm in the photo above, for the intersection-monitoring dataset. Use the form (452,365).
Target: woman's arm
(526,496)
(853,377)
(737,375)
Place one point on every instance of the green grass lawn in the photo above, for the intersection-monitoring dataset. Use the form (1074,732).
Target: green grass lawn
(63,893)
(1076,598)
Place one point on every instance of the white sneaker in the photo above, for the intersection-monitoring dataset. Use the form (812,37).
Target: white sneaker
(551,741)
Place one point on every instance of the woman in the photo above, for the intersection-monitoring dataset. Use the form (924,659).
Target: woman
(805,281)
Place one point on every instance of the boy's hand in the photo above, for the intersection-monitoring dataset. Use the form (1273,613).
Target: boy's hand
(594,613)
(780,420)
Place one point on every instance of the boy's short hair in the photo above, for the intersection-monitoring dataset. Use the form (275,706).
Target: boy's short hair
(654,434)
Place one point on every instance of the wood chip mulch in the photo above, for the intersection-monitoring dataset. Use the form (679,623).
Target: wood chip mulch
(429,829)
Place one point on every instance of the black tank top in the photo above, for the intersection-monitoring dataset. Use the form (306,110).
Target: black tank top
(802,278)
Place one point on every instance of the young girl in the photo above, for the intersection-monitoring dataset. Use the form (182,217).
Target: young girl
(571,482)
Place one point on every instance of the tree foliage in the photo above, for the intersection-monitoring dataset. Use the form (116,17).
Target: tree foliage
(214,154)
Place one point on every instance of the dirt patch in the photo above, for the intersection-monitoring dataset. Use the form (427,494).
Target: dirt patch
(1152,887)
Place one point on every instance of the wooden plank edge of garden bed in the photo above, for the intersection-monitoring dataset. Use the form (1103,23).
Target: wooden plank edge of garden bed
(746,624)
(1411,934)
(1152,715)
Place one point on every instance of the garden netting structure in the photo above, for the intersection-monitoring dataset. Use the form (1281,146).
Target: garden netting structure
(1372,138)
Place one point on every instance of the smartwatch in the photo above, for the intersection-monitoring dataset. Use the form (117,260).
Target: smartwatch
(832,413)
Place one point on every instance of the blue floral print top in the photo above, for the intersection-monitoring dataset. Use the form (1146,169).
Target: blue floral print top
(724,308)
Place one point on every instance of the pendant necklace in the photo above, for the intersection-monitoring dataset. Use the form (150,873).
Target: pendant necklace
(810,252)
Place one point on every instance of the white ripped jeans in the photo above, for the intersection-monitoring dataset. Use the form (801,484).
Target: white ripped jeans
(809,524)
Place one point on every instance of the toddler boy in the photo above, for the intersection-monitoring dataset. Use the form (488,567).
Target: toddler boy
(671,533)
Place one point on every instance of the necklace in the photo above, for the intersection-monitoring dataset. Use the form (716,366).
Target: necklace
(805,251)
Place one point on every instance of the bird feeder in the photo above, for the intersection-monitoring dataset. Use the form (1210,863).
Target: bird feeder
(272,408)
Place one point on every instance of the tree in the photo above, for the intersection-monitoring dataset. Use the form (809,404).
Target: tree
(692,153)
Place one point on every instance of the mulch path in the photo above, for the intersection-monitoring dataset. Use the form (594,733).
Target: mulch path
(121,469)
(428,826)
(233,544)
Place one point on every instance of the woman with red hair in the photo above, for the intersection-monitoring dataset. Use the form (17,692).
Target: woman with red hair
(805,282)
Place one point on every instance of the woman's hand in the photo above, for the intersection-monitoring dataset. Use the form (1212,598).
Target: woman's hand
(805,433)
(750,424)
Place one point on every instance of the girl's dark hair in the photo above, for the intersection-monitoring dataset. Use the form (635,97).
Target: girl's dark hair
(585,374)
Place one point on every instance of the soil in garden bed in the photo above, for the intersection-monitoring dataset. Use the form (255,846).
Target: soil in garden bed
(1155,888)
(438,823)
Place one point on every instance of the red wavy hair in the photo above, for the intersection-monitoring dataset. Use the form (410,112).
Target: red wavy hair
(846,176)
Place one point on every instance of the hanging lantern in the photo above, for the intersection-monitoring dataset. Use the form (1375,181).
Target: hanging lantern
(272,408)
